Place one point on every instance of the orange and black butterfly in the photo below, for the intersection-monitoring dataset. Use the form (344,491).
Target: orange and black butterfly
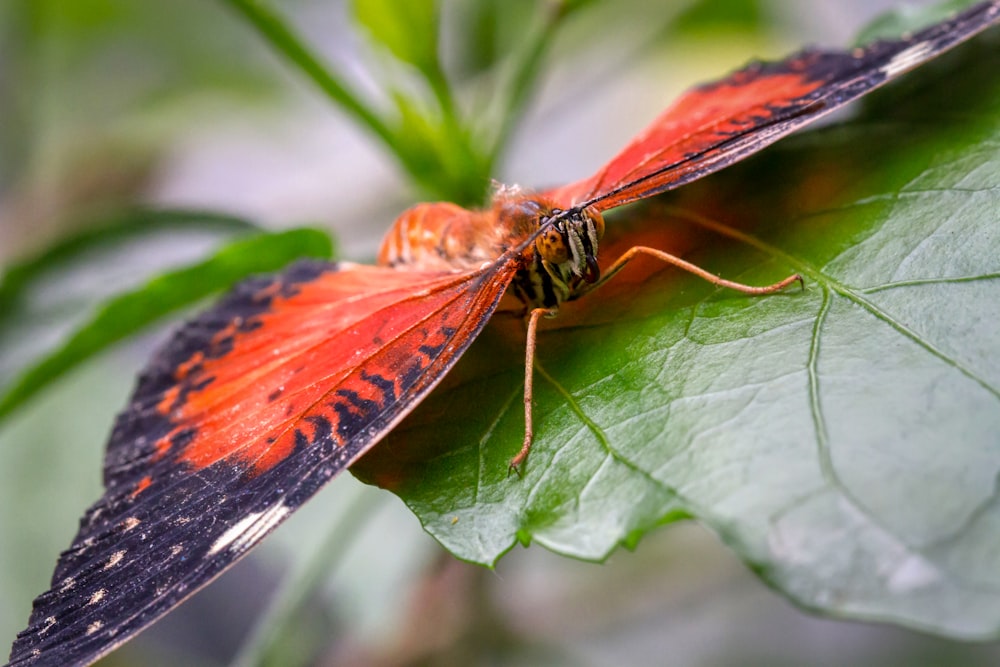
(254,405)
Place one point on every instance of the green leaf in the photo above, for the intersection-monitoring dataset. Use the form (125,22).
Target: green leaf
(57,311)
(716,15)
(44,298)
(842,440)
(407,28)
(906,17)
(284,40)
(438,148)
(443,164)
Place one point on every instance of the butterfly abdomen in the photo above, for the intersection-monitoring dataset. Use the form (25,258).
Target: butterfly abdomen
(439,236)
(445,236)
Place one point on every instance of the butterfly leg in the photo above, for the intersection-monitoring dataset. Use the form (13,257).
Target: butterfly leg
(618,265)
(635,251)
(529,364)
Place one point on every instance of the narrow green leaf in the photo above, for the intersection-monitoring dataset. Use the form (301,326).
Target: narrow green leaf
(716,14)
(477,47)
(390,23)
(138,224)
(130,311)
(906,17)
(45,298)
(262,645)
(527,66)
(407,28)
(841,439)
(281,37)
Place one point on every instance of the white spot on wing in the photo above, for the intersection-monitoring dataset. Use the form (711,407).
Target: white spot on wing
(67,584)
(907,59)
(249,529)
(49,622)
(130,523)
(97,596)
(94,627)
(115,559)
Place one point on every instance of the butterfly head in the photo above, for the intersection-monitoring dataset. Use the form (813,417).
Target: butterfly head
(567,244)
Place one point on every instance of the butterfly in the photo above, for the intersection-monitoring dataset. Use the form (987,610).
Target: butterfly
(255,404)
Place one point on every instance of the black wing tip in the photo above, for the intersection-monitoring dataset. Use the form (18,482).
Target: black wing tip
(85,641)
(820,64)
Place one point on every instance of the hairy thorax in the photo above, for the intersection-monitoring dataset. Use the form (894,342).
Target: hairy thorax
(558,266)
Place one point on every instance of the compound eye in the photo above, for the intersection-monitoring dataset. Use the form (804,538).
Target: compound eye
(552,246)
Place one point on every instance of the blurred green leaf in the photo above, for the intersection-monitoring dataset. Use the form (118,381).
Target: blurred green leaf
(443,163)
(905,18)
(407,28)
(568,6)
(842,440)
(100,74)
(45,298)
(478,42)
(440,157)
(135,225)
(716,14)
(422,140)
(281,37)
(102,287)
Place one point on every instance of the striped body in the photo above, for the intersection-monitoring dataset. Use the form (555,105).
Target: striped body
(558,266)
(251,407)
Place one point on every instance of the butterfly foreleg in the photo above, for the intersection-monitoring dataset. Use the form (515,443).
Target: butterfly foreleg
(529,365)
(673,260)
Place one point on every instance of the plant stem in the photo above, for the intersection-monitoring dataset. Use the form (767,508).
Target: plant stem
(303,580)
(526,73)
(283,39)
(468,170)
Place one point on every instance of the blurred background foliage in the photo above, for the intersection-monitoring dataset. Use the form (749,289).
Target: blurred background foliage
(181,108)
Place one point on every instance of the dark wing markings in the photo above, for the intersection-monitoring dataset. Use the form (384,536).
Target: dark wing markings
(136,556)
(719,123)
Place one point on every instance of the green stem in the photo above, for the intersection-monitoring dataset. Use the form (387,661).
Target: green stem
(467,163)
(304,580)
(526,71)
(283,39)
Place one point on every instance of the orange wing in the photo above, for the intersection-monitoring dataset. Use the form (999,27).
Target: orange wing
(244,415)
(717,124)
(257,403)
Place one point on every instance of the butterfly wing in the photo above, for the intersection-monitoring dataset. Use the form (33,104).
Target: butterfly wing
(245,414)
(717,124)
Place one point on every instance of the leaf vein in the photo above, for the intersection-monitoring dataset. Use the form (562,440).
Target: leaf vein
(816,408)
(598,432)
